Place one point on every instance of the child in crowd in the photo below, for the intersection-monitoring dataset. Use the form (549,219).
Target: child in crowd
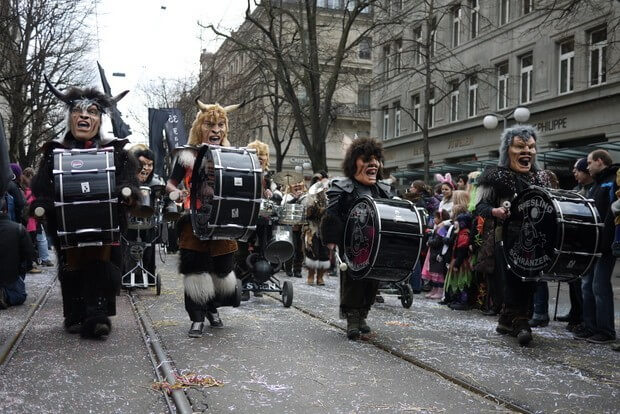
(434,268)
(460,276)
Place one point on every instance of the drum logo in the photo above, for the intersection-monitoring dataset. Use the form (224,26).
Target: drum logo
(526,252)
(77,164)
(359,249)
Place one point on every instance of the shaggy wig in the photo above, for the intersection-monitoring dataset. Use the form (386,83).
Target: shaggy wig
(365,148)
(141,150)
(261,149)
(522,132)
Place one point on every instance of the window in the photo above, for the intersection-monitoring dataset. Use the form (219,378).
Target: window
(363,96)
(567,66)
(456,26)
(454,102)
(472,96)
(415,114)
(433,46)
(526,79)
(365,50)
(431,107)
(386,121)
(528,6)
(398,45)
(417,47)
(396,119)
(504,12)
(386,62)
(475,17)
(502,86)
(598,57)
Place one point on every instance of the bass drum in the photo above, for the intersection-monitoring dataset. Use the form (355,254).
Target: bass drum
(551,235)
(382,239)
(85,197)
(225,193)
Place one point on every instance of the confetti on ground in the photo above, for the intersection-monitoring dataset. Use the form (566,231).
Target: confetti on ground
(398,323)
(187,381)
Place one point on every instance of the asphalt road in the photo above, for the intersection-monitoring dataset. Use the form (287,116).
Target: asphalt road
(272,359)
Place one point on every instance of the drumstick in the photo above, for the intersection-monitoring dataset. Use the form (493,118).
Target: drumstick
(506,204)
(126,192)
(341,265)
(39,211)
(174,195)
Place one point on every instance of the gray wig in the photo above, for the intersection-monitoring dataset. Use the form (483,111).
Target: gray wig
(523,132)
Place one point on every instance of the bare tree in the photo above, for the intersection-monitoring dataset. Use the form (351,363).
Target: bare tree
(39,37)
(306,51)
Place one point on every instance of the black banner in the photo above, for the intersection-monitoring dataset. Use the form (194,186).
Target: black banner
(170,122)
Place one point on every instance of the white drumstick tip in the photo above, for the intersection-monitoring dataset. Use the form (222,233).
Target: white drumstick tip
(174,195)
(39,211)
(506,204)
(126,191)
(343,267)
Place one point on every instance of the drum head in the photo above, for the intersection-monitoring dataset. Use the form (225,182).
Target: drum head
(361,238)
(531,233)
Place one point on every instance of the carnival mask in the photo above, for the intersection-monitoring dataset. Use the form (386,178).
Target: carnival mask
(147,168)
(367,170)
(522,154)
(214,132)
(85,122)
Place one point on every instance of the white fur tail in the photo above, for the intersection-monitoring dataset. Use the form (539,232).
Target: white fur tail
(199,287)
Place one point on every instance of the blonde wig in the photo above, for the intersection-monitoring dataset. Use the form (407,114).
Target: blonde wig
(262,149)
(460,197)
(212,113)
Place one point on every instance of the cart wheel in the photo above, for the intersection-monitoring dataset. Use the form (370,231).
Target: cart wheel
(157,284)
(287,294)
(238,291)
(406,297)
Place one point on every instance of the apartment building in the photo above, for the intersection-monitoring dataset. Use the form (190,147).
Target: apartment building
(490,57)
(232,75)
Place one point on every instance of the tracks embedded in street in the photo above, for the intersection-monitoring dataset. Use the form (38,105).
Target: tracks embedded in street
(460,382)
(9,347)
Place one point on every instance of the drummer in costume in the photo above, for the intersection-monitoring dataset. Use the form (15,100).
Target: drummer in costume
(89,276)
(148,178)
(363,168)
(294,194)
(207,265)
(516,171)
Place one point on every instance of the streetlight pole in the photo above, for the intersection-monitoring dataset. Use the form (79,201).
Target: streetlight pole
(520,113)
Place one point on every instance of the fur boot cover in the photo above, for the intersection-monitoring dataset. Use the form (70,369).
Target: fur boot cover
(317,264)
(224,284)
(199,287)
(90,327)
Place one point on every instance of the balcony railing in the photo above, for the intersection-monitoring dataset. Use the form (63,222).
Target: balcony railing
(352,111)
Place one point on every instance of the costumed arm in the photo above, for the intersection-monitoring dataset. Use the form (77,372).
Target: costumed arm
(461,251)
(332,226)
(43,188)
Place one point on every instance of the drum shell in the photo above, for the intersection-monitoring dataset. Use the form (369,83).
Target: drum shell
(390,233)
(560,245)
(225,193)
(85,197)
(146,207)
(172,211)
(293,214)
(280,248)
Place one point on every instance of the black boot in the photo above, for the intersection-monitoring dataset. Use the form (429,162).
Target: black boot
(504,324)
(195,330)
(214,318)
(353,325)
(96,323)
(364,328)
(522,331)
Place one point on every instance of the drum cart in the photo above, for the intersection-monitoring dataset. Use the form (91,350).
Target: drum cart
(402,289)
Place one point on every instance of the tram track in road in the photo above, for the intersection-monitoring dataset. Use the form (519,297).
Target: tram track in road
(163,365)
(8,348)
(460,382)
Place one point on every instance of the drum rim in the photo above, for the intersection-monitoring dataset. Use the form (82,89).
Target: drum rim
(546,273)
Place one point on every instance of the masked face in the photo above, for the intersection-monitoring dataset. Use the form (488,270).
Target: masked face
(147,168)
(213,132)
(84,124)
(367,170)
(297,189)
(522,154)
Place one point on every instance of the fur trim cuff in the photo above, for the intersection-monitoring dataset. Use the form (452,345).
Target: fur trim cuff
(199,287)
(225,284)
(317,264)
(186,158)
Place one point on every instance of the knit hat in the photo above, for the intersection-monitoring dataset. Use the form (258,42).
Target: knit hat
(17,170)
(582,165)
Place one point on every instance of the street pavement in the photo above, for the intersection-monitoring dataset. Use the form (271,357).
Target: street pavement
(272,359)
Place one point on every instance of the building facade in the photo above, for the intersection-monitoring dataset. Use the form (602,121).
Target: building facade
(490,57)
(233,75)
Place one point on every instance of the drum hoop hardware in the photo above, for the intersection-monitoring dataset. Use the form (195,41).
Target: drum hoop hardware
(62,195)
(91,230)
(583,223)
(60,204)
(557,251)
(258,188)
(81,150)
(560,218)
(107,161)
(248,200)
(234,226)
(253,170)
(590,204)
